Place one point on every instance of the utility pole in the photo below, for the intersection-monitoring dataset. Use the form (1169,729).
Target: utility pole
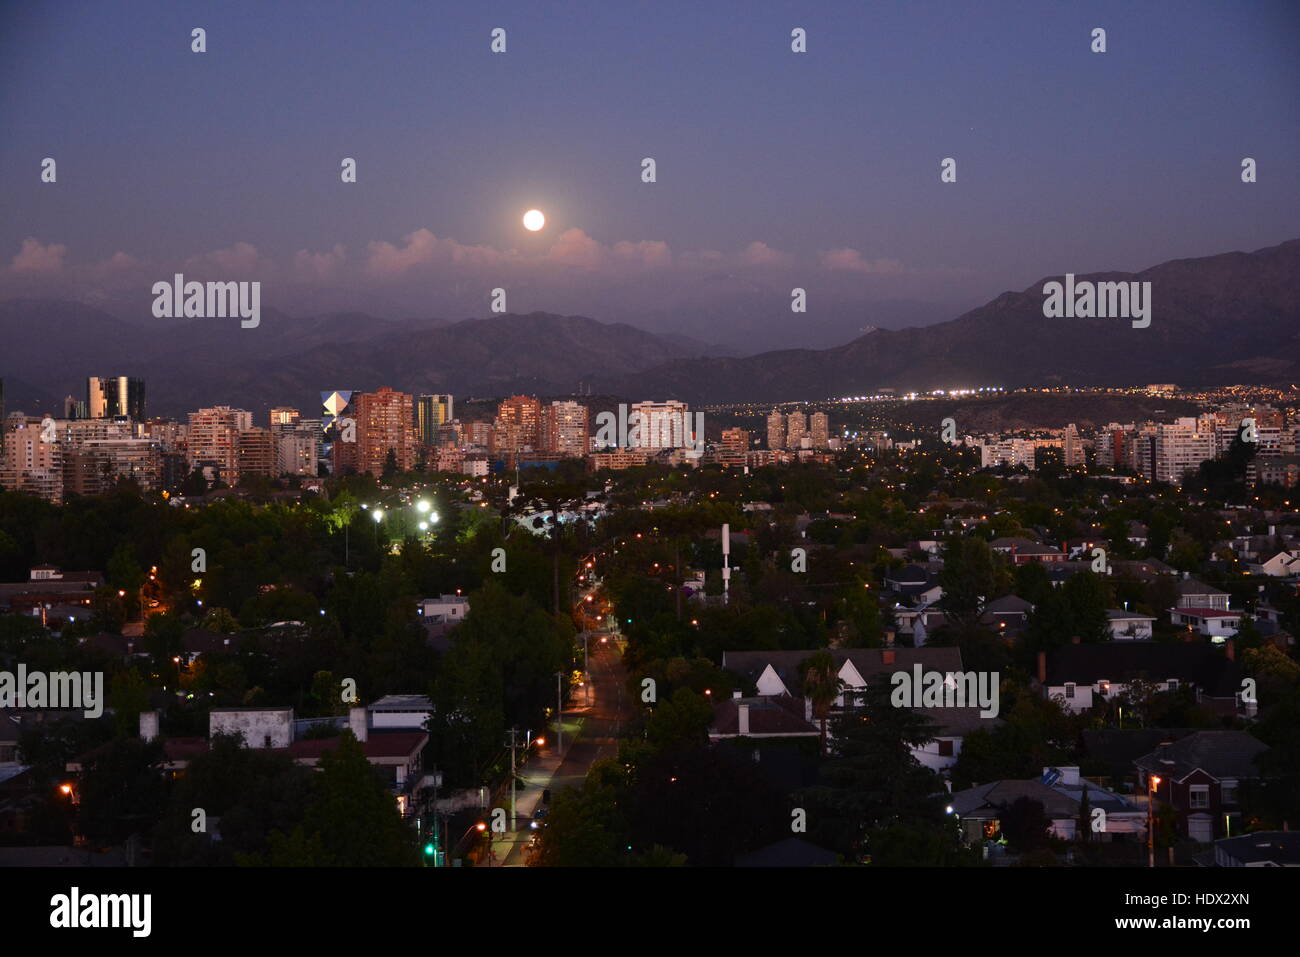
(559,706)
(512,744)
(586,663)
(726,563)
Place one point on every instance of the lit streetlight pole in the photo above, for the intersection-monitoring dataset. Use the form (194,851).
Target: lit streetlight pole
(1152,785)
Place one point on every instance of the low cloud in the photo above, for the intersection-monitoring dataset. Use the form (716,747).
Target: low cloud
(319,267)
(37,257)
(850,260)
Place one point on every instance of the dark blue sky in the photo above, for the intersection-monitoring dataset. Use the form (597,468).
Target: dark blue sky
(228,162)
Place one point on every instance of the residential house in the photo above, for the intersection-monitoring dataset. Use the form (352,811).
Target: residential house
(1200,776)
(779,710)
(1008,614)
(1282,564)
(395,752)
(1082,675)
(1129,625)
(1258,849)
(1060,791)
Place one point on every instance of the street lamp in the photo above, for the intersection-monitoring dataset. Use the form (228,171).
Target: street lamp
(1153,785)
(422,505)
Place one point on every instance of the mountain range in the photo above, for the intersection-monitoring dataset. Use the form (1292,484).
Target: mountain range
(1224,319)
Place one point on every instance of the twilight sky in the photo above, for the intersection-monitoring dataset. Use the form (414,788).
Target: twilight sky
(775,169)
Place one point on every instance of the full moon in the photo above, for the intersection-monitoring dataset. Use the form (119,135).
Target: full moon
(534,220)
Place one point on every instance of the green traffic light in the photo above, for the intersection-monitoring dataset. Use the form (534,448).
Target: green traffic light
(428,849)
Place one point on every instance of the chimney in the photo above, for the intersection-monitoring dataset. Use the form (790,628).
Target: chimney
(887,656)
(742,719)
(148,726)
(1042,667)
(1230,648)
(358,723)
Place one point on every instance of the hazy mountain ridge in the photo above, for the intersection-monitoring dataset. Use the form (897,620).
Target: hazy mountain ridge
(1233,317)
(1221,319)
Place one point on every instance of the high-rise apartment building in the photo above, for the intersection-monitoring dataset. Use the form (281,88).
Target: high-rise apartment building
(661,425)
(108,398)
(431,412)
(1072,447)
(29,464)
(477,434)
(1182,446)
(735,440)
(255,453)
(1010,452)
(95,466)
(517,427)
(385,423)
(819,430)
(284,417)
(775,430)
(565,429)
(796,429)
(297,451)
(214,441)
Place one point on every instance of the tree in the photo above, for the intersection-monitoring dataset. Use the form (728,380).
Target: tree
(353,815)
(164,636)
(1083,827)
(1025,825)
(128,695)
(122,791)
(247,794)
(821,686)
(968,581)
(587,825)
(872,779)
(1087,598)
(680,722)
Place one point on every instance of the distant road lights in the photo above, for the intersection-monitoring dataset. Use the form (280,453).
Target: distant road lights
(423,505)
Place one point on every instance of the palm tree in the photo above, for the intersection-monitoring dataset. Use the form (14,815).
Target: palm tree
(821,686)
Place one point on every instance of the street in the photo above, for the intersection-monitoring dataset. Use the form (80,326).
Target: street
(590,733)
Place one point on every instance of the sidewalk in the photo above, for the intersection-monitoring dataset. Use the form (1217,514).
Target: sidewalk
(537,775)
(580,720)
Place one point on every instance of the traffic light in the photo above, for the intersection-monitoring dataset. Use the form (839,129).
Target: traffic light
(429,849)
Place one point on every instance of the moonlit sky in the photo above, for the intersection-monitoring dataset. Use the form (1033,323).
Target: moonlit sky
(774,169)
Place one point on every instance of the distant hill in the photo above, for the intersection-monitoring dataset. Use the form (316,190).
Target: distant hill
(1216,320)
(188,363)
(1220,319)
